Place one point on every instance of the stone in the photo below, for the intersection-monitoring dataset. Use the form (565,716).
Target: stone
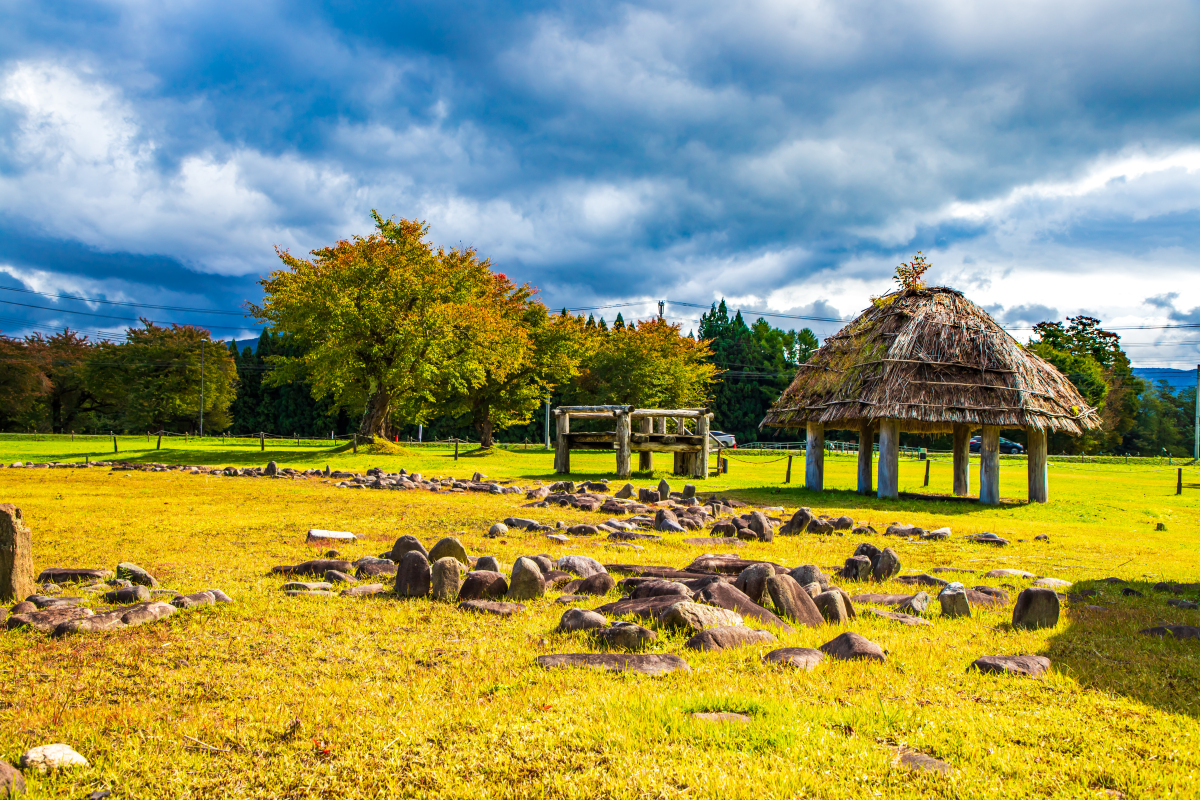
(599,584)
(319,537)
(568,599)
(753,581)
(829,604)
(12,782)
(375,568)
(1029,666)
(413,575)
(133,594)
(904,530)
(583,566)
(271,469)
(863,530)
(852,646)
(1036,608)
(334,576)
(314,567)
(987,538)
(658,588)
(886,565)
(762,527)
(697,616)
(1130,592)
(1176,631)
(869,550)
(407,544)
(919,762)
(449,547)
(1179,602)
(119,618)
(792,602)
(727,637)
(497,530)
(364,590)
(1008,573)
(914,605)
(16,555)
(664,489)
(491,607)
(309,592)
(579,619)
(647,496)
(483,585)
(1052,583)
(798,523)
(624,636)
(922,580)
(857,568)
(69,574)
(810,573)
(489,564)
(625,492)
(894,616)
(987,596)
(515,522)
(953,598)
(720,716)
(302,586)
(527,582)
(689,491)
(728,596)
(444,579)
(52,756)
(805,658)
(643,664)
(46,619)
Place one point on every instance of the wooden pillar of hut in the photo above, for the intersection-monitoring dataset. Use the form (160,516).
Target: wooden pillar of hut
(645,459)
(624,425)
(866,454)
(889,458)
(562,447)
(703,425)
(814,457)
(1039,480)
(989,465)
(680,467)
(962,459)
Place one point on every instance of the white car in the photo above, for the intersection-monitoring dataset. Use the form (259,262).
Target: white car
(726,439)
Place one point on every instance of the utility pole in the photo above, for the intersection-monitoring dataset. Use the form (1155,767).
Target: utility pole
(1196,422)
(661,304)
(547,422)
(420,432)
(201,388)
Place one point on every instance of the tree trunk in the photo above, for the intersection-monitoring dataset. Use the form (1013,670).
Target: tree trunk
(377,419)
(483,424)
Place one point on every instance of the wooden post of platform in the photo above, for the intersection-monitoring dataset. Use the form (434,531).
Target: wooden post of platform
(703,426)
(1039,479)
(866,455)
(562,454)
(889,458)
(646,459)
(989,465)
(624,423)
(962,460)
(787,476)
(814,457)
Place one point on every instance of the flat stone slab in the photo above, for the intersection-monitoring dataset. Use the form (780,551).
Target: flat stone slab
(364,590)
(920,762)
(727,637)
(921,580)
(1178,631)
(803,657)
(851,646)
(881,599)
(721,541)
(73,575)
(47,619)
(896,616)
(720,716)
(952,569)
(1030,666)
(1008,573)
(642,664)
(493,607)
(318,536)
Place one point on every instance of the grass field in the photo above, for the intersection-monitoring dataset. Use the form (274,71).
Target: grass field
(341,697)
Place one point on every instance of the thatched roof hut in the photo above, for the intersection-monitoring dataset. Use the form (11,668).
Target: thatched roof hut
(928,360)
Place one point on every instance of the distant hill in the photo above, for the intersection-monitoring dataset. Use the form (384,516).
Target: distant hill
(1177,378)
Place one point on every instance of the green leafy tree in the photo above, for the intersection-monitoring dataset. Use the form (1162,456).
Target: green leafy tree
(386,323)
(23,383)
(651,366)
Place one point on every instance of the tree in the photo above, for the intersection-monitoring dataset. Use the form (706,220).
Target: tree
(153,378)
(651,366)
(386,323)
(23,382)
(69,401)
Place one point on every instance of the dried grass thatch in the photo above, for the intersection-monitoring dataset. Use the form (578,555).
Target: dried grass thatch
(929,358)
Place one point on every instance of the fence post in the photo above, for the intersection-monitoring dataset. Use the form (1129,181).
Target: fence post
(262,443)
(1179,482)
(115,443)
(927,465)
(159,445)
(788,478)
(356,444)
(456,449)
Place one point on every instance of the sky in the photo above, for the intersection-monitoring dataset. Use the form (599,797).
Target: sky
(787,156)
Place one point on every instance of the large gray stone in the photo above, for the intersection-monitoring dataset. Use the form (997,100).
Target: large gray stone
(761,526)
(831,607)
(1036,608)
(527,582)
(449,547)
(1174,631)
(624,636)
(852,646)
(644,664)
(489,564)
(857,568)
(753,581)
(413,575)
(810,573)
(407,544)
(697,617)
(46,619)
(12,782)
(903,619)
(583,566)
(491,607)
(953,598)
(803,657)
(664,489)
(728,596)
(658,588)
(793,602)
(886,565)
(599,584)
(727,638)
(52,756)
(915,604)
(444,579)
(1030,666)
(580,619)
(798,523)
(16,555)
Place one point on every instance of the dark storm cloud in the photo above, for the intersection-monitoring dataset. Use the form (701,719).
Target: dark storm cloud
(788,154)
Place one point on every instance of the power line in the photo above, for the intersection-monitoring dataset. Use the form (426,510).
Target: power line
(123,319)
(120,303)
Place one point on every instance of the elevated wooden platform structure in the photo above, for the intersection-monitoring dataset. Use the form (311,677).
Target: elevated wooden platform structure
(690,448)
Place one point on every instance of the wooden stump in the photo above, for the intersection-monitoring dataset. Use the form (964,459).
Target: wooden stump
(962,460)
(866,455)
(889,458)
(1039,479)
(814,457)
(989,465)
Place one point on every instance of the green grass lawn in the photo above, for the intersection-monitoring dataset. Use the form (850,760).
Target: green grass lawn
(341,697)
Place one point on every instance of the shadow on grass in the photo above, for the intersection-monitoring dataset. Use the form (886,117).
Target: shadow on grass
(1104,649)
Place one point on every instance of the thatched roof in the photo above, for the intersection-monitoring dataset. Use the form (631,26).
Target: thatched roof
(929,358)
